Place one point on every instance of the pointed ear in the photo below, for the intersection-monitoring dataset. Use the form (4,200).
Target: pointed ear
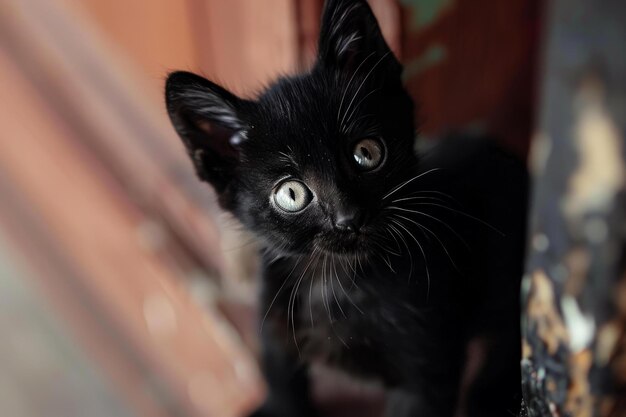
(350,36)
(208,119)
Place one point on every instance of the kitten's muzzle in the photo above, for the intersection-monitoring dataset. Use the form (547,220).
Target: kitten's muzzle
(349,221)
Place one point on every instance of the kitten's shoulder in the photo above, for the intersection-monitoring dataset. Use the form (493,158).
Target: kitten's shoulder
(460,151)
(476,161)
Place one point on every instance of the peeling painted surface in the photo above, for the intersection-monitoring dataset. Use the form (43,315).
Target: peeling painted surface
(580,326)
(600,173)
(574,308)
(542,310)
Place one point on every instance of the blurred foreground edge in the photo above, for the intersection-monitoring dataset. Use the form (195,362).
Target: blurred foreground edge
(94,201)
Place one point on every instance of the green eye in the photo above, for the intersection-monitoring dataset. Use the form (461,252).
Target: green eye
(368,154)
(292,196)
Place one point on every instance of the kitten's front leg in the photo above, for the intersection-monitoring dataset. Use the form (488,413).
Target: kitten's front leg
(285,373)
(287,379)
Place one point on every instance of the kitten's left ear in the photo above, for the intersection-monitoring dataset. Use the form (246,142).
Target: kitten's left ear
(209,119)
(350,35)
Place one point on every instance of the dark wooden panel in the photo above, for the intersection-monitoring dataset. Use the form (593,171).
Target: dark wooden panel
(471,63)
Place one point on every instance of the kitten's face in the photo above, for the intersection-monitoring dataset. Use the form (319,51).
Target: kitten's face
(308,165)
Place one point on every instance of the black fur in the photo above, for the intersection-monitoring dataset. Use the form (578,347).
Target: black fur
(431,260)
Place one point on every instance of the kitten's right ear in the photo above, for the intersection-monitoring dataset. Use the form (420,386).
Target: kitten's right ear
(350,35)
(208,119)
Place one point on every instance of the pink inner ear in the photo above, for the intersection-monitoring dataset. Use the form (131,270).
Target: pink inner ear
(204,126)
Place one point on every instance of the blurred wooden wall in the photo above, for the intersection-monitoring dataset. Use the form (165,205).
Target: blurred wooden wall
(241,43)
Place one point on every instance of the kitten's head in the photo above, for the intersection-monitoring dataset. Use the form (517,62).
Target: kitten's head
(308,164)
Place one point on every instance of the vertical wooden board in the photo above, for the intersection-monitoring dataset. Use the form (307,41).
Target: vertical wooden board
(247,42)
(308,22)
(155,35)
(471,63)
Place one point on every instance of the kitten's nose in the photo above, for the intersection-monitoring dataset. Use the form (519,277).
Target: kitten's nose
(349,221)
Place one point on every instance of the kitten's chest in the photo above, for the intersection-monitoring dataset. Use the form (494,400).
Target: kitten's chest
(329,316)
(341,323)
(340,317)
(330,324)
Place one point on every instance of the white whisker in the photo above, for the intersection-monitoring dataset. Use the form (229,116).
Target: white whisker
(333,287)
(399,224)
(356,107)
(292,301)
(345,292)
(421,226)
(393,228)
(323,291)
(446,225)
(400,186)
(417,198)
(462,213)
(387,262)
(437,193)
(277,293)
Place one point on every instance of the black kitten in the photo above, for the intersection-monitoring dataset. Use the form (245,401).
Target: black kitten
(376,261)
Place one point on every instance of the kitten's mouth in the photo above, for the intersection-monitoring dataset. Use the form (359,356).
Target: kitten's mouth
(345,244)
